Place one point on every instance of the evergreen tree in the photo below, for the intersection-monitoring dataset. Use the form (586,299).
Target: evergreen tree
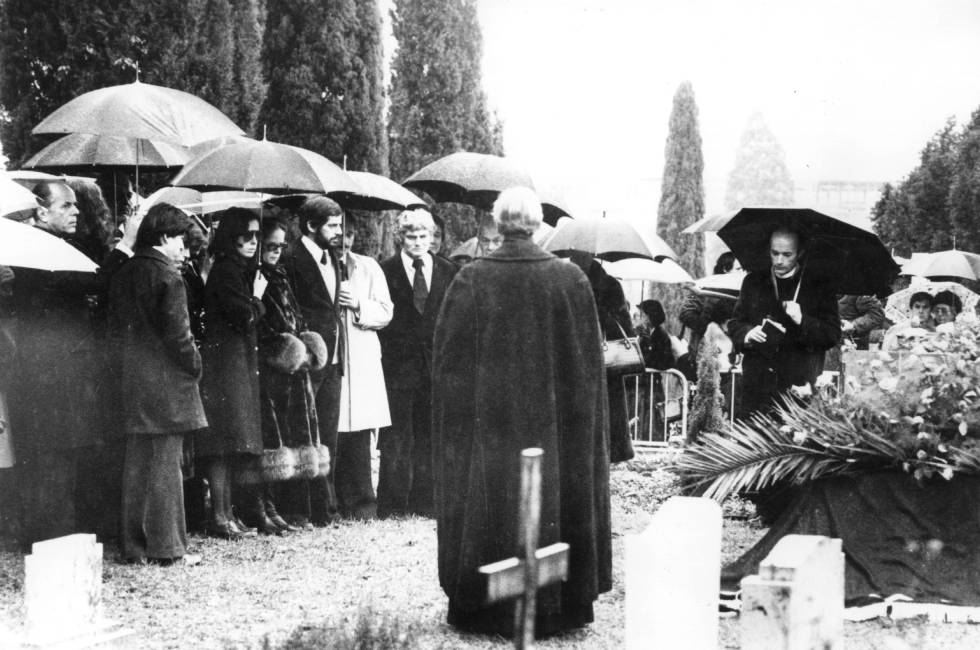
(323,62)
(760,175)
(915,216)
(964,191)
(681,194)
(438,105)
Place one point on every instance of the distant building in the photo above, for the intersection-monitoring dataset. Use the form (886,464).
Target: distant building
(851,200)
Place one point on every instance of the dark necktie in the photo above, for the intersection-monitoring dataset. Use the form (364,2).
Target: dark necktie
(420,292)
(323,260)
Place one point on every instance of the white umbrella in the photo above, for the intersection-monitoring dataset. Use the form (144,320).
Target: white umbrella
(634,268)
(197,202)
(16,201)
(724,285)
(897,307)
(29,247)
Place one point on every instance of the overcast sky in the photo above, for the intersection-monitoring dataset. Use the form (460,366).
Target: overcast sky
(852,89)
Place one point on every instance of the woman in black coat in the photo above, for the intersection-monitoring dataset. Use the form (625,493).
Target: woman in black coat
(230,387)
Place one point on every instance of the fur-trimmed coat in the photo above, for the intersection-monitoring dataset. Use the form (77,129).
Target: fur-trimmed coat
(517,364)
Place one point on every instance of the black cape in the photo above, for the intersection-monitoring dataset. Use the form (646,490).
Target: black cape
(517,364)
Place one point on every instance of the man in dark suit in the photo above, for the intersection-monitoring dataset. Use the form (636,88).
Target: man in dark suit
(315,278)
(417,282)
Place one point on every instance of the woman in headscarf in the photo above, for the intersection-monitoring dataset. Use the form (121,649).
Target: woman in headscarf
(230,386)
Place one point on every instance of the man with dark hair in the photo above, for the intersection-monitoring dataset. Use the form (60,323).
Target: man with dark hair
(784,321)
(61,430)
(315,276)
(920,310)
(417,281)
(946,306)
(150,328)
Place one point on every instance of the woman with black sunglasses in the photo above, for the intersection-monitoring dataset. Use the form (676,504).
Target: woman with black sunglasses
(230,385)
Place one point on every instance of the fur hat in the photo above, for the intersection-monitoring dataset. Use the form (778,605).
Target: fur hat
(316,348)
(285,353)
(307,462)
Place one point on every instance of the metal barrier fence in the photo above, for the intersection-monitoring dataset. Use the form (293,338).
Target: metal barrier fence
(658,401)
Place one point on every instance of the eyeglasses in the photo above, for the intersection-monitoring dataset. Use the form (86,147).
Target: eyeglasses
(274,247)
(251,235)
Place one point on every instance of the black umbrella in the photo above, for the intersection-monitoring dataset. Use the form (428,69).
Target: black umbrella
(851,256)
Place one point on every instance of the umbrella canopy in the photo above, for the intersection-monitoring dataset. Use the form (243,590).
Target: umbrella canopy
(477,179)
(666,271)
(710,223)
(263,166)
(16,201)
(853,257)
(29,178)
(952,263)
(608,239)
(897,306)
(31,248)
(724,285)
(197,202)
(377,193)
(139,110)
(87,150)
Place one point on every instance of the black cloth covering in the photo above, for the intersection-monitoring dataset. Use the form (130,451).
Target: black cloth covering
(898,537)
(517,364)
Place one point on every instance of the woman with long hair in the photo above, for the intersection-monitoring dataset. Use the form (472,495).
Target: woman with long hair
(230,386)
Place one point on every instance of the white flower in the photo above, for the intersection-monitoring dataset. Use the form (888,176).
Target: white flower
(947,473)
(802,391)
(946,328)
(825,380)
(888,384)
(799,437)
(963,428)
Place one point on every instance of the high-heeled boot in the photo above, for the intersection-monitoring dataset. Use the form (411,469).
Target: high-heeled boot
(253,511)
(273,515)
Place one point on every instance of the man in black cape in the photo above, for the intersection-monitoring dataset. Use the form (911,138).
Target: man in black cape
(517,364)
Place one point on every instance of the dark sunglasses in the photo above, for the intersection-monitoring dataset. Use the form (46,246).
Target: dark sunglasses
(274,247)
(251,235)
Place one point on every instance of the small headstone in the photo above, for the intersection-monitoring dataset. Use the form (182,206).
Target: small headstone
(673,572)
(797,600)
(63,596)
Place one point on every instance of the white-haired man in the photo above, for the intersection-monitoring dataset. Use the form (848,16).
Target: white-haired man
(417,282)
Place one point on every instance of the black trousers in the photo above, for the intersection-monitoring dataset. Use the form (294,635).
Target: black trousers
(316,499)
(47,495)
(355,491)
(405,483)
(153,522)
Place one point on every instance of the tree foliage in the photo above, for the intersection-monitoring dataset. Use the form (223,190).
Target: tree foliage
(682,193)
(323,63)
(760,175)
(437,101)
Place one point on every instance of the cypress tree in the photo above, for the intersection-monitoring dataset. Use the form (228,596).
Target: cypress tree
(760,175)
(964,191)
(682,194)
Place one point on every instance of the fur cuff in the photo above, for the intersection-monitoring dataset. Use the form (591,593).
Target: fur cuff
(273,466)
(316,348)
(285,353)
(307,462)
(324,466)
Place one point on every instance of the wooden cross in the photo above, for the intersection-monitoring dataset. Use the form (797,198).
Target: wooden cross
(521,576)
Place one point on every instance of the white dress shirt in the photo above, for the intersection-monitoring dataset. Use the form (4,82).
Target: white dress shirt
(408,262)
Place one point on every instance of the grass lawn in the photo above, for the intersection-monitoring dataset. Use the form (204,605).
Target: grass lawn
(308,588)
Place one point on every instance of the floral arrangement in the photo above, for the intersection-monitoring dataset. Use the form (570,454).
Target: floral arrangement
(915,410)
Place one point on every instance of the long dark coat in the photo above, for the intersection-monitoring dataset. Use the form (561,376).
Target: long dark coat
(613,315)
(230,386)
(159,362)
(288,411)
(55,394)
(799,357)
(517,364)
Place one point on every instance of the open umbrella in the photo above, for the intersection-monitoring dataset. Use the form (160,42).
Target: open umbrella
(723,285)
(951,263)
(31,248)
(16,201)
(477,179)
(86,150)
(263,166)
(140,110)
(897,306)
(197,202)
(666,271)
(608,239)
(854,258)
(377,193)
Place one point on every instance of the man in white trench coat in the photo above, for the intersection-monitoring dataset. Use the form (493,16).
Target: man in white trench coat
(363,398)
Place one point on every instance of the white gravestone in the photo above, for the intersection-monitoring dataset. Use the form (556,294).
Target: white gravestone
(673,571)
(63,596)
(797,600)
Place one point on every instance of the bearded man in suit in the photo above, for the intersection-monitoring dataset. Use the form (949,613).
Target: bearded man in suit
(417,282)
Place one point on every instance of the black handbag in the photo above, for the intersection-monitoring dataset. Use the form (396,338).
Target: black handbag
(622,356)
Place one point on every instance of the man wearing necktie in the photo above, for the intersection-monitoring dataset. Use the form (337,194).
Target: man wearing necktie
(315,278)
(417,282)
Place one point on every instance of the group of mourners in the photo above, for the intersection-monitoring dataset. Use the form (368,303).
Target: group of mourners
(232,373)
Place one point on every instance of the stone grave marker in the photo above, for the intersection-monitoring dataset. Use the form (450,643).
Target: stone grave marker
(520,577)
(673,574)
(63,596)
(797,600)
